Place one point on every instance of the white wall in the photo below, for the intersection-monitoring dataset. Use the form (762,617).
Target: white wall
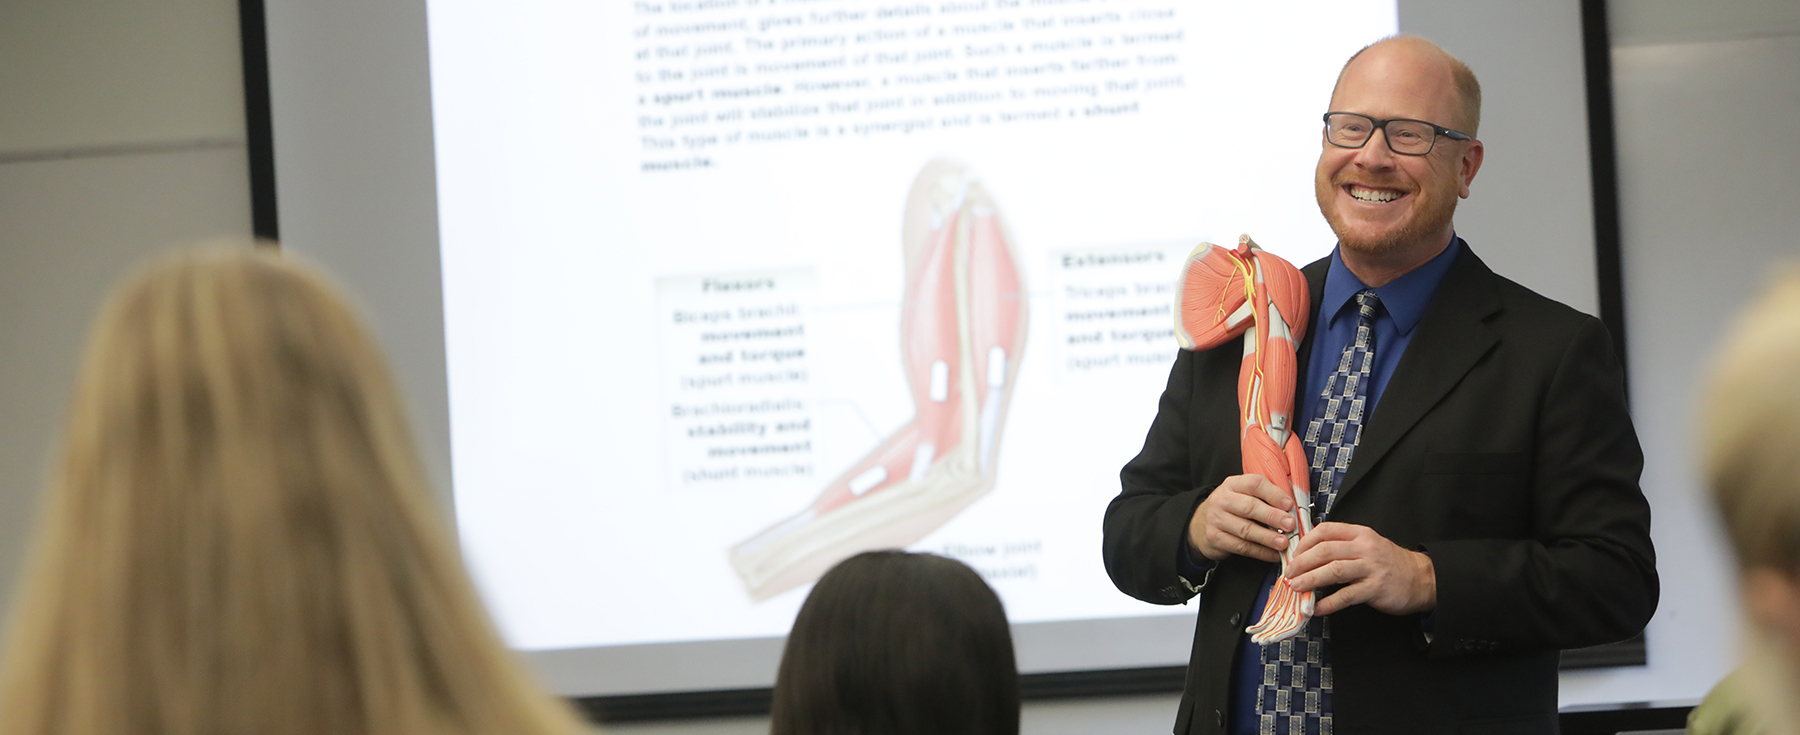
(121,132)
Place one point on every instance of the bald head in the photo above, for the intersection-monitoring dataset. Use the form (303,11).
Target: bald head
(1411,57)
(1392,209)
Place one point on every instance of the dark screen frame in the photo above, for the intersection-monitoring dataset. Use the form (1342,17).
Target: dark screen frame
(259,127)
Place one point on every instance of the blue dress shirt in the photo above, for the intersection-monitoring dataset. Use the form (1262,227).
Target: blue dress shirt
(1403,303)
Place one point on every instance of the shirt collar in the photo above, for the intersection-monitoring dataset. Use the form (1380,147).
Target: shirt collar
(1405,297)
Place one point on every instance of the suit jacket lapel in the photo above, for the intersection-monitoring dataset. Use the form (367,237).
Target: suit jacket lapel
(1452,337)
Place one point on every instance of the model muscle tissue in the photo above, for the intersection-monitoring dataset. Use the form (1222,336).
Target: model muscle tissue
(962,333)
(1222,294)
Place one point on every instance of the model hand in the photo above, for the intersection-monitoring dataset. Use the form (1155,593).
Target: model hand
(1373,570)
(1241,517)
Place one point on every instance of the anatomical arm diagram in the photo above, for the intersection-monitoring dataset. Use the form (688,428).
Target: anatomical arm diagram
(1222,294)
(962,333)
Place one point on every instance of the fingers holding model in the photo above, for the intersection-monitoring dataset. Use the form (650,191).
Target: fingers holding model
(1245,515)
(1372,570)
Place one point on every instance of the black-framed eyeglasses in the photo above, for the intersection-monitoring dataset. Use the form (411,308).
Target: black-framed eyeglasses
(1405,137)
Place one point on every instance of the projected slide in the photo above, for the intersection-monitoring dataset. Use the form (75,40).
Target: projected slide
(962,332)
(735,289)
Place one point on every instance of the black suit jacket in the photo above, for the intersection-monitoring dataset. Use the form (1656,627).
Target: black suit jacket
(1502,447)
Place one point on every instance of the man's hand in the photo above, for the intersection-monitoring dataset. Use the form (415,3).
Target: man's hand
(1241,517)
(1372,569)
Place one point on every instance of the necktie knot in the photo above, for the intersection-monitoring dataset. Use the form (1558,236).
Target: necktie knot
(1366,302)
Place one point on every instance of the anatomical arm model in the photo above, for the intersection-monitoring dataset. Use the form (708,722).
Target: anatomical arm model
(962,332)
(1220,295)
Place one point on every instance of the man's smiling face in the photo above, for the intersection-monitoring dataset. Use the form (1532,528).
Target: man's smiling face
(1380,202)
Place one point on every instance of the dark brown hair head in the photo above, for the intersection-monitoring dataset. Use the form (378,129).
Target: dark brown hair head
(895,643)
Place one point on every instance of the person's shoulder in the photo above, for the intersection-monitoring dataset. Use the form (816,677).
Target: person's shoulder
(1536,308)
(1729,709)
(1317,267)
(1517,302)
(1530,319)
(1542,326)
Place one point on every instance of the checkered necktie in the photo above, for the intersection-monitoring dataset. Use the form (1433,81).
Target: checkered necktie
(1295,695)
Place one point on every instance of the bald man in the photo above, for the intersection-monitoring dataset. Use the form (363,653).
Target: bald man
(1474,467)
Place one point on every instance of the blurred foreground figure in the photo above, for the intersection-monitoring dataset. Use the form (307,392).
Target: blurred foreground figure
(238,537)
(1752,459)
(892,643)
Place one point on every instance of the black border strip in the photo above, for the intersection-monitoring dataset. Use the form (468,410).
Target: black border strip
(1055,685)
(1628,652)
(750,702)
(1596,44)
(259,128)
(1624,718)
(675,705)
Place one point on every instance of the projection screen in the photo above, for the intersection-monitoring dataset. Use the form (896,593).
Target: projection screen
(695,297)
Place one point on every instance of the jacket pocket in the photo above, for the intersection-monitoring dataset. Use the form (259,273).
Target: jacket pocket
(1475,463)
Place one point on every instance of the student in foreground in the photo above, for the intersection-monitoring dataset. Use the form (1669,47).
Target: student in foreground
(894,643)
(1751,445)
(238,536)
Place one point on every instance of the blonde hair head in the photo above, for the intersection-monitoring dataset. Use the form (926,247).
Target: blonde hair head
(239,536)
(1752,430)
(1751,456)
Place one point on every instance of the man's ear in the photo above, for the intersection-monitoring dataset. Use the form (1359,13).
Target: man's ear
(1469,164)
